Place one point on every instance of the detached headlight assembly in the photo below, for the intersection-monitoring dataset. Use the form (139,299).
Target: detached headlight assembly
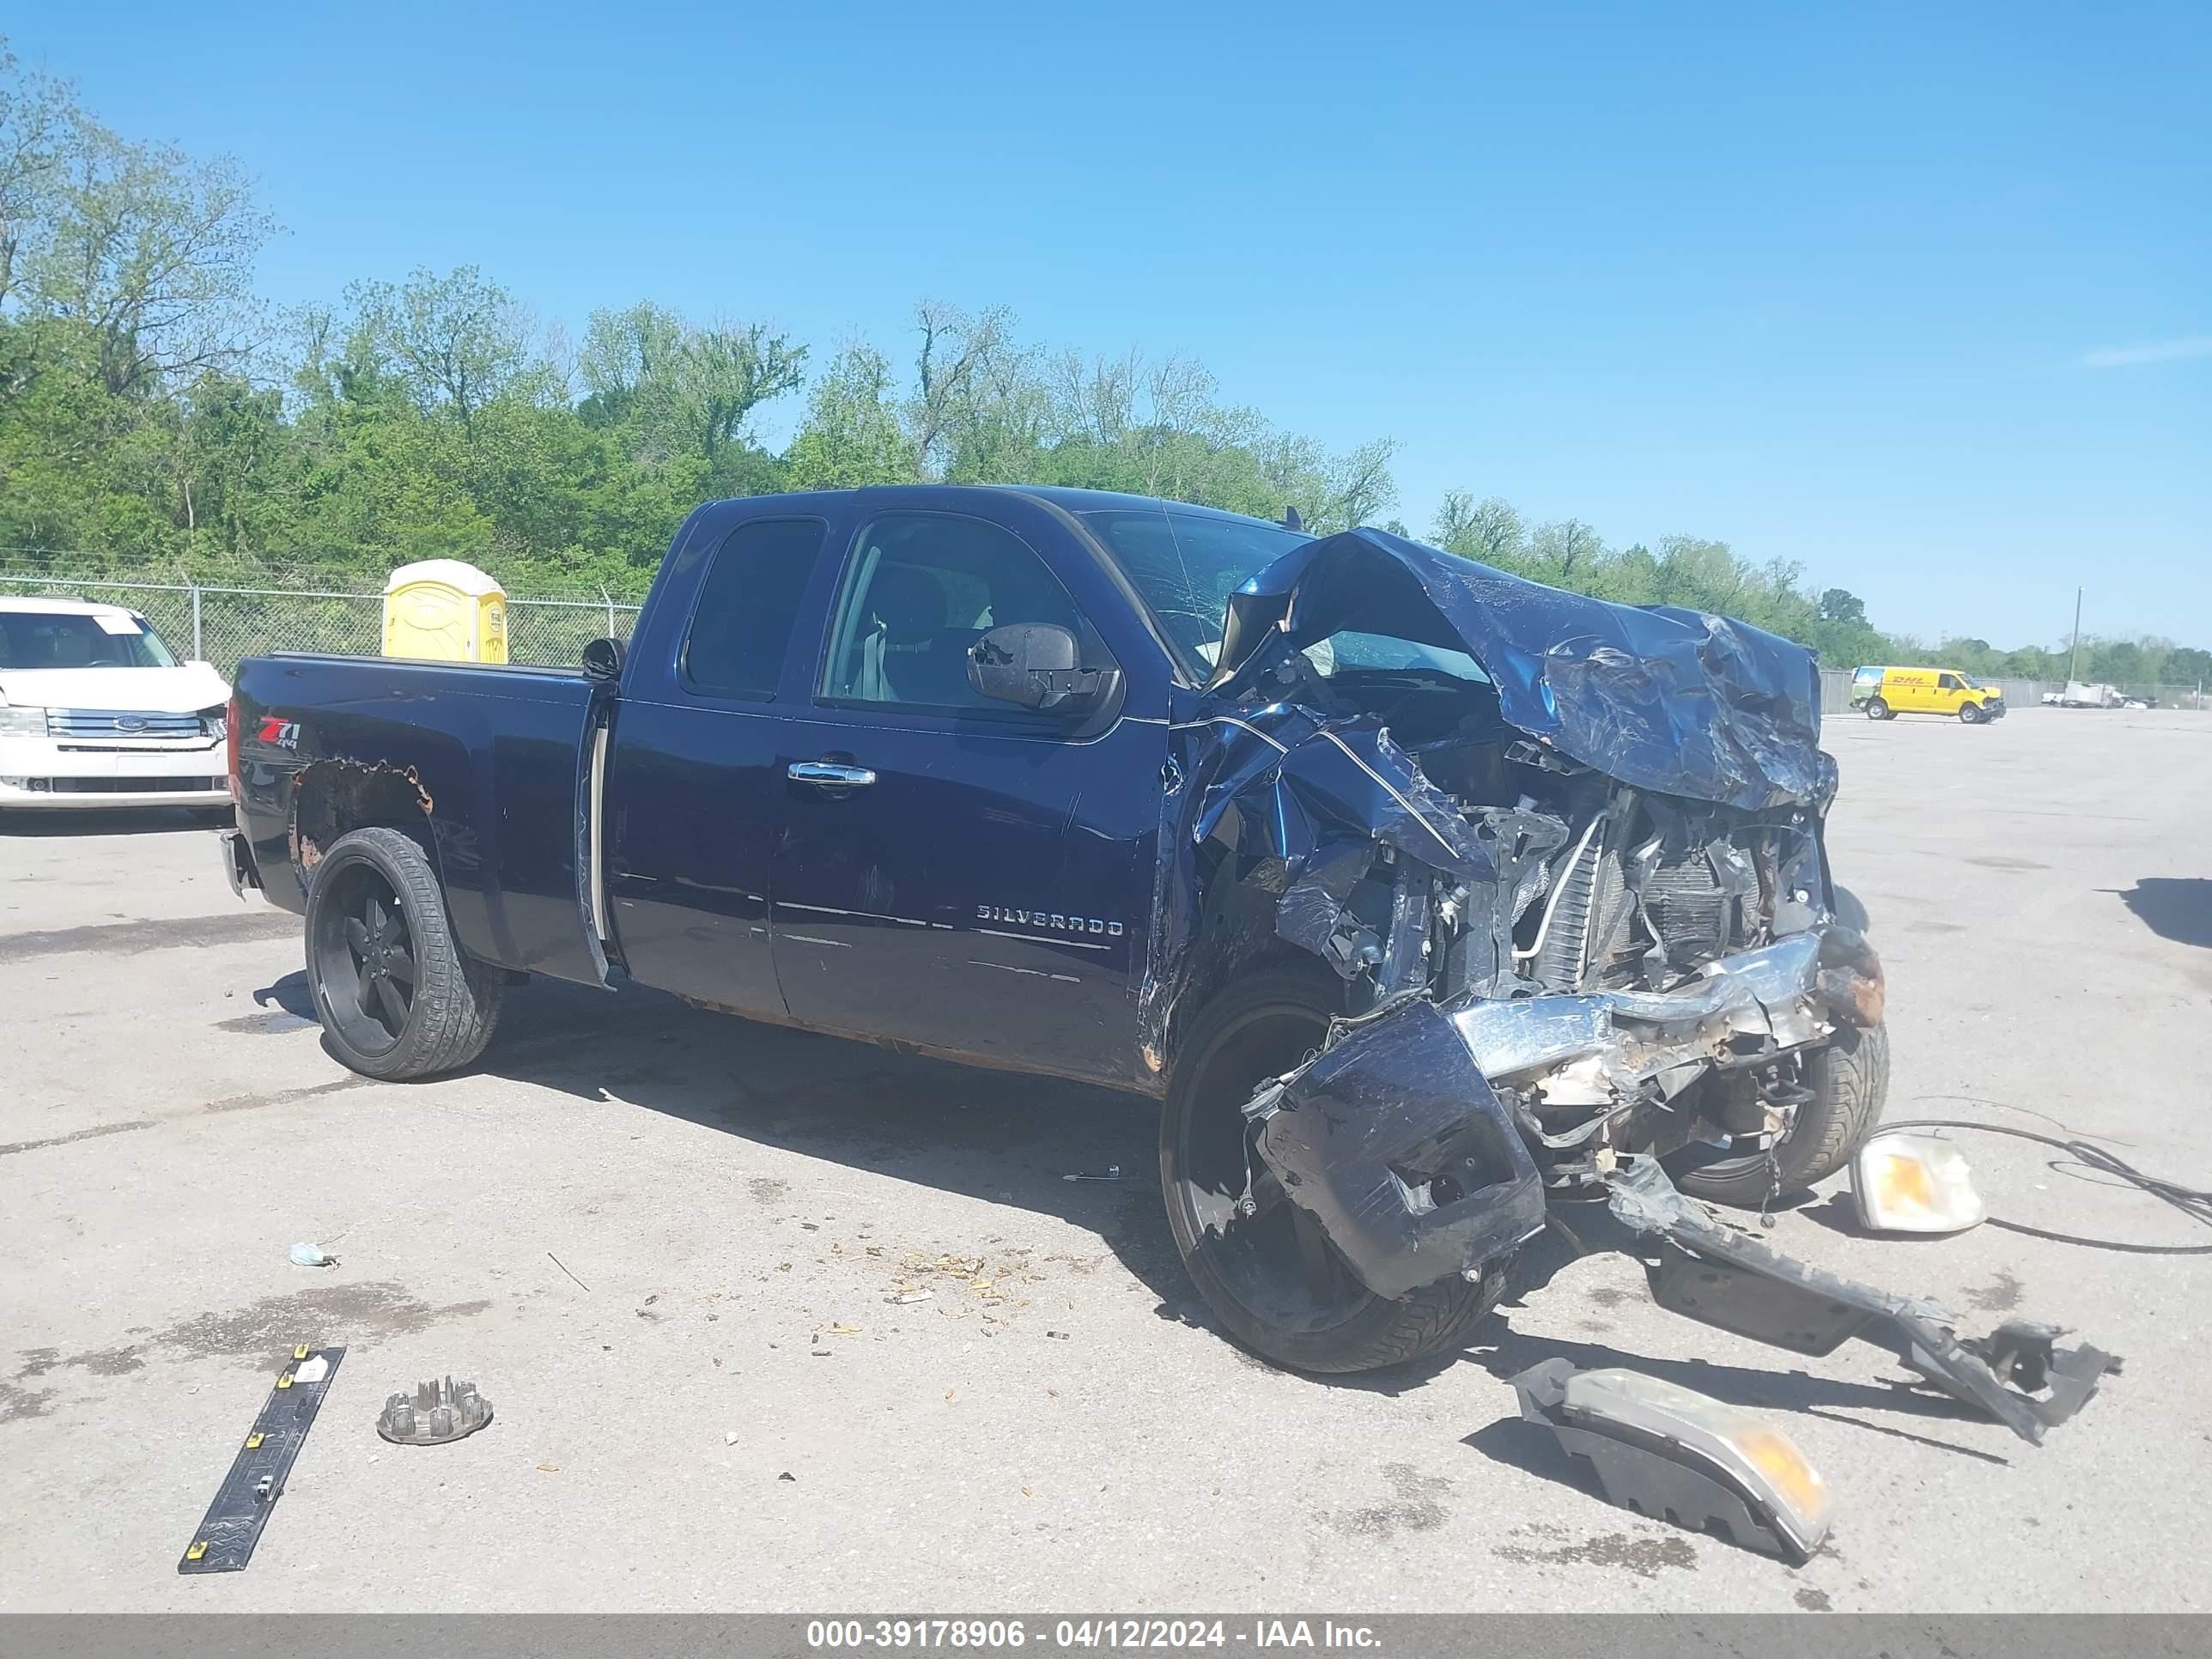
(1676,1455)
(22,720)
(214,723)
(1915,1184)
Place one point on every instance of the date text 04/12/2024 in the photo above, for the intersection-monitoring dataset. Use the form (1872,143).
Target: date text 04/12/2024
(1086,1633)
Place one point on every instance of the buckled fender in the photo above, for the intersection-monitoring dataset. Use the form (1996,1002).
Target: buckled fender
(1394,1141)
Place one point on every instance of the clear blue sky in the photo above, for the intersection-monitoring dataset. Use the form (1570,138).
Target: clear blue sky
(1919,296)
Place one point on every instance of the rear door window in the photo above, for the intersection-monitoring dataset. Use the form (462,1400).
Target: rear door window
(748,606)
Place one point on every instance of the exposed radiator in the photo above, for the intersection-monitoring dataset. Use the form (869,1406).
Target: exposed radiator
(1558,964)
(1693,912)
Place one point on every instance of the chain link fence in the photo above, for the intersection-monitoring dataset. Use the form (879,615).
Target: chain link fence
(2164,695)
(221,625)
(1836,693)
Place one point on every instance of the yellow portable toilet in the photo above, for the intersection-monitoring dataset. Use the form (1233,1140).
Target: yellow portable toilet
(446,610)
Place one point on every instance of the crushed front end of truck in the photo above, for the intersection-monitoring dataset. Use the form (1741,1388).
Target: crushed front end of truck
(1565,857)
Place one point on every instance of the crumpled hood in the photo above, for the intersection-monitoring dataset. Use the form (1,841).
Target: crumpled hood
(184,690)
(1662,698)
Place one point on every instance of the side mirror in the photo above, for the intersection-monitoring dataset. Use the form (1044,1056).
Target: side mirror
(1034,665)
(604,659)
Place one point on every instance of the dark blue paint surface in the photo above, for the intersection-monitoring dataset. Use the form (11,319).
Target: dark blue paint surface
(989,895)
(496,749)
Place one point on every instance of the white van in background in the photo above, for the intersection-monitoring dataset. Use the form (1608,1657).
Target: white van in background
(95,712)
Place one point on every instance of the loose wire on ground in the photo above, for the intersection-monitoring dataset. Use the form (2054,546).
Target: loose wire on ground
(2195,1202)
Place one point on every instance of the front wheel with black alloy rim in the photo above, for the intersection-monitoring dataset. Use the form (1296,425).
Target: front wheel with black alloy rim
(398,996)
(1263,1262)
(1846,1084)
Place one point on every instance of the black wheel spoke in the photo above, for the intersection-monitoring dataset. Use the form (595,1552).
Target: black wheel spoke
(399,964)
(376,918)
(394,1004)
(356,932)
(1317,1260)
(365,989)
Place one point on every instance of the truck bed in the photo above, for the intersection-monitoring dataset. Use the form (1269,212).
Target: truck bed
(485,763)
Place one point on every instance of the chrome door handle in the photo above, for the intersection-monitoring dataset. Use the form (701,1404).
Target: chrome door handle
(845,777)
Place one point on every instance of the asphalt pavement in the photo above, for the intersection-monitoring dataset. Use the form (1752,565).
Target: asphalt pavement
(669,1247)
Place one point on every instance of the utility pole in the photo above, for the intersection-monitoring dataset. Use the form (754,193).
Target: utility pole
(2073,648)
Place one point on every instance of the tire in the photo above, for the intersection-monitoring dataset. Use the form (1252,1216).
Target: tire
(1877,709)
(398,996)
(1850,909)
(1850,1081)
(1970,714)
(1279,1286)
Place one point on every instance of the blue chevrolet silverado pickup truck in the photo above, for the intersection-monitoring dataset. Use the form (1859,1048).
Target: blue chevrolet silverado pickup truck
(1421,896)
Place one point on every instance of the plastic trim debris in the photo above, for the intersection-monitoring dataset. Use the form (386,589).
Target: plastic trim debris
(231,1526)
(1711,1273)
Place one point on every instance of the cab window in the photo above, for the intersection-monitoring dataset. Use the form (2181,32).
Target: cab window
(1949,683)
(920,589)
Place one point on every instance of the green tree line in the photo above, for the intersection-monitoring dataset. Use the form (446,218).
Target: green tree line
(159,419)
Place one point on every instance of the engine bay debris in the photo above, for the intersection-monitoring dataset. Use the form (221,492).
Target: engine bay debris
(1565,860)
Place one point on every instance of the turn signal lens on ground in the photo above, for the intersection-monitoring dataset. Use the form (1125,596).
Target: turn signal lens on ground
(1785,1467)
(1915,1184)
(1751,1443)
(1686,1457)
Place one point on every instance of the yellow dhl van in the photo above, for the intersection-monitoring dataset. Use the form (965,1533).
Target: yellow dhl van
(1886,693)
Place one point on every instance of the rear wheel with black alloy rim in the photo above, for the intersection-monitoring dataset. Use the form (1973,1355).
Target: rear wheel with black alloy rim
(1263,1262)
(398,996)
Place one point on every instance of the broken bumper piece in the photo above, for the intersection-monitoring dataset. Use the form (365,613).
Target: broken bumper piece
(1394,1140)
(1719,1277)
(1779,994)
(238,866)
(1676,1455)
